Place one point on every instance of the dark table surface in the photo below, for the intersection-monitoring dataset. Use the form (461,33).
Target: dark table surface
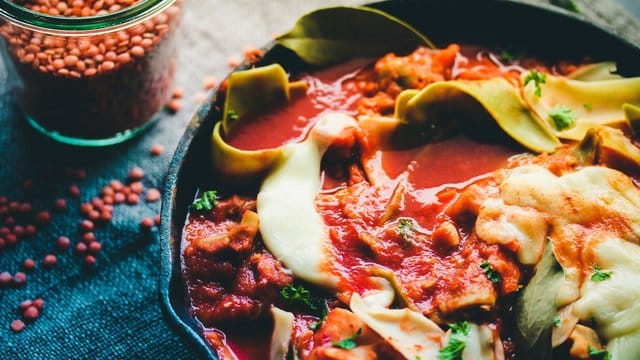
(112,312)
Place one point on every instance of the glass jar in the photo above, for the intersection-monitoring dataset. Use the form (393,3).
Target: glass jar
(90,77)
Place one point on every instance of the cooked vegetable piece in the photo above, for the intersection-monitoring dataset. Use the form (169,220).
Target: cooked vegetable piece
(606,97)
(328,36)
(536,309)
(607,146)
(497,97)
(288,192)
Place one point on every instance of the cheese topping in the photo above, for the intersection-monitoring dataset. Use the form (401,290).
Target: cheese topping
(291,227)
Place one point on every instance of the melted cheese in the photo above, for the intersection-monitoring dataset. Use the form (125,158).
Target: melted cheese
(291,227)
(613,302)
(593,218)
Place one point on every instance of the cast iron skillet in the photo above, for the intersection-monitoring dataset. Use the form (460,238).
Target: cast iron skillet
(545,31)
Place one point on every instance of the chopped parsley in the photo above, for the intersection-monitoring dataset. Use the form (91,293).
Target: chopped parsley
(537,78)
(562,116)
(599,275)
(588,106)
(491,274)
(567,5)
(406,228)
(348,343)
(507,56)
(599,354)
(457,342)
(315,325)
(556,320)
(232,115)
(299,296)
(207,201)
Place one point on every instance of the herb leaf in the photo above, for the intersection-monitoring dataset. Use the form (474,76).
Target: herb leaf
(232,115)
(562,116)
(406,228)
(588,106)
(327,36)
(299,296)
(537,78)
(567,5)
(602,354)
(556,320)
(347,343)
(207,201)
(491,274)
(457,341)
(507,56)
(599,275)
(535,308)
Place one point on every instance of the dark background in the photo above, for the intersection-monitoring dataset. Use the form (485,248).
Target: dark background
(113,311)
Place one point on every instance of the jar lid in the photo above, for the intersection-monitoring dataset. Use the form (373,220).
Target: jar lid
(81,26)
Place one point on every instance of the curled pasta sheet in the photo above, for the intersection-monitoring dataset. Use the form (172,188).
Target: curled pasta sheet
(281,337)
(409,332)
(596,72)
(632,113)
(250,92)
(499,99)
(592,102)
(480,344)
(290,225)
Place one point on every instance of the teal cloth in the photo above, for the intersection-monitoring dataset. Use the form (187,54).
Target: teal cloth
(113,312)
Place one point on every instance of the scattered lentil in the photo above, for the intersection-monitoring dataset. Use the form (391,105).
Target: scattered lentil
(209,82)
(81,248)
(74,191)
(156,150)
(147,223)
(136,174)
(17,325)
(152,195)
(174,105)
(50,261)
(39,303)
(5,278)
(63,242)
(95,247)
(86,225)
(29,265)
(60,204)
(89,260)
(19,278)
(31,313)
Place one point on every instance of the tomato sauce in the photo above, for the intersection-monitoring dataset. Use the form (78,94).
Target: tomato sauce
(364,197)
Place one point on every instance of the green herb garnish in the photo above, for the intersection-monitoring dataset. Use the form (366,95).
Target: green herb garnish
(207,201)
(562,116)
(567,5)
(588,106)
(556,320)
(599,275)
(599,354)
(298,295)
(491,274)
(457,342)
(315,325)
(406,228)
(232,115)
(537,78)
(348,343)
(507,56)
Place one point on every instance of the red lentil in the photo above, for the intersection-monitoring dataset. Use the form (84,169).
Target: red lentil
(156,150)
(39,303)
(50,261)
(88,238)
(86,225)
(60,204)
(25,304)
(137,187)
(95,247)
(147,223)
(5,278)
(18,230)
(31,313)
(174,105)
(43,217)
(106,215)
(152,195)
(29,265)
(81,248)
(156,220)
(94,215)
(177,93)
(19,278)
(63,242)
(74,191)
(119,198)
(11,239)
(136,174)
(17,325)
(25,208)
(89,260)
(132,199)
(30,230)
(209,82)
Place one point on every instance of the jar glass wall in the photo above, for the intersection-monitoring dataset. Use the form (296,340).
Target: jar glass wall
(86,73)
